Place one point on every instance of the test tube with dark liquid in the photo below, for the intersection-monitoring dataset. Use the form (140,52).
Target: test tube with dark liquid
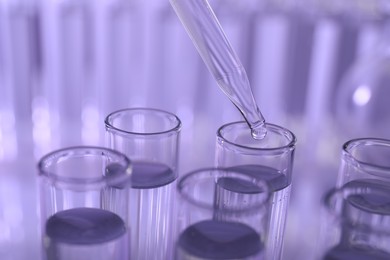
(219,218)
(213,46)
(84,206)
(270,160)
(360,214)
(150,137)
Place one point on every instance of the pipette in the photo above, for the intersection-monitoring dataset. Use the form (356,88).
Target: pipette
(213,46)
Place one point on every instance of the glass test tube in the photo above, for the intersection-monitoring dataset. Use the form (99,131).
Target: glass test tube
(270,159)
(219,218)
(84,204)
(68,92)
(356,221)
(365,159)
(150,137)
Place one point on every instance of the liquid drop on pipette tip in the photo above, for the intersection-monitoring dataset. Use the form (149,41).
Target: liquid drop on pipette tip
(259,132)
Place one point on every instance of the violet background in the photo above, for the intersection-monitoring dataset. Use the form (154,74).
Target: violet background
(65,64)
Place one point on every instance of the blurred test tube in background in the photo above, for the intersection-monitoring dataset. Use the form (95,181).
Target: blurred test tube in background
(67,56)
(21,66)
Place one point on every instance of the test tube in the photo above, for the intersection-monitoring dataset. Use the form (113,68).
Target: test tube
(365,159)
(150,137)
(355,222)
(213,46)
(84,204)
(20,42)
(223,215)
(270,159)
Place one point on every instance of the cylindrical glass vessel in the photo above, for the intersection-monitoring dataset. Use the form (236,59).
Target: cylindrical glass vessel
(270,159)
(223,215)
(150,137)
(84,204)
(365,159)
(356,220)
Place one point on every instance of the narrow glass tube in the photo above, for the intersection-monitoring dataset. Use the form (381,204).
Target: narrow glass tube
(209,39)
(356,222)
(222,215)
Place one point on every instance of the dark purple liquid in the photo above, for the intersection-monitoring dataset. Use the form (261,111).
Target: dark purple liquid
(354,253)
(377,201)
(213,239)
(363,208)
(84,226)
(274,178)
(238,185)
(147,175)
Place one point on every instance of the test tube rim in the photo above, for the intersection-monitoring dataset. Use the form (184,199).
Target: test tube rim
(353,143)
(78,183)
(110,126)
(269,126)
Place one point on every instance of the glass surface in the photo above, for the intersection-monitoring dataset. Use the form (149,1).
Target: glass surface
(223,215)
(269,159)
(84,203)
(364,158)
(356,221)
(150,137)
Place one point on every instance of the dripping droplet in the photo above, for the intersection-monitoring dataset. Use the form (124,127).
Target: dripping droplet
(259,131)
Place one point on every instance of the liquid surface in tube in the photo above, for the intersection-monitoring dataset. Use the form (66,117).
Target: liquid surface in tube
(213,239)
